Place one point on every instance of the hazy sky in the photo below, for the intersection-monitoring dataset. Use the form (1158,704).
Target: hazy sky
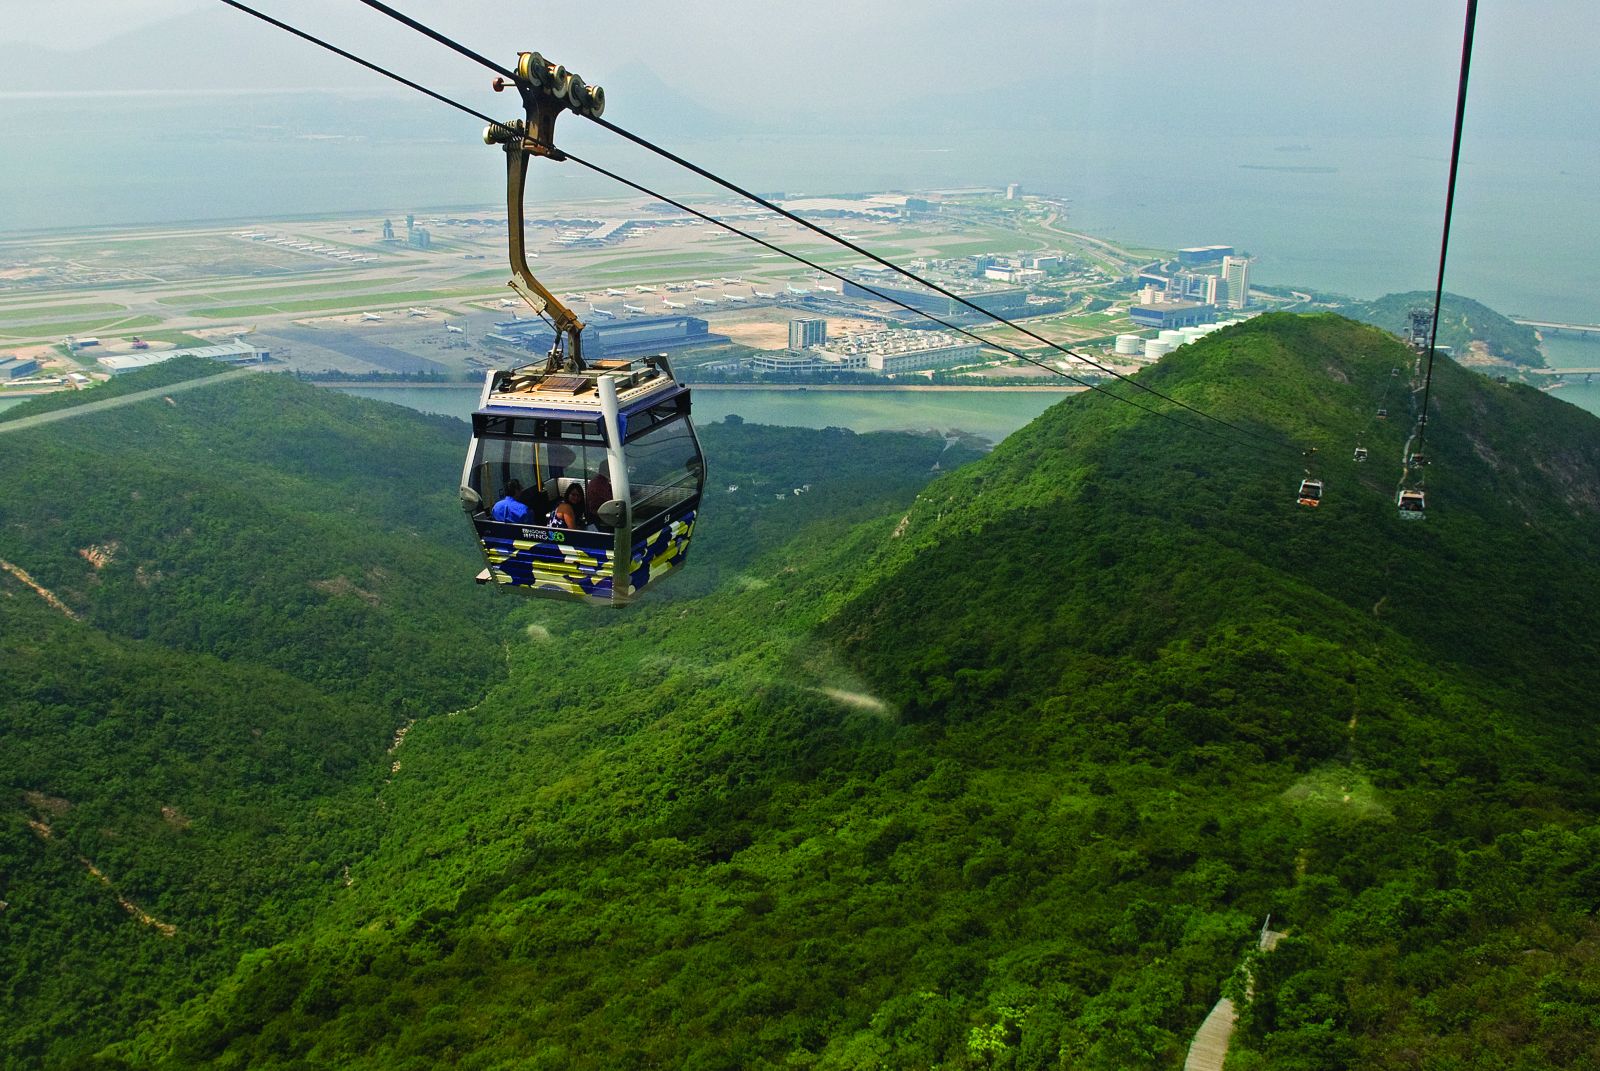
(1314,132)
(1273,62)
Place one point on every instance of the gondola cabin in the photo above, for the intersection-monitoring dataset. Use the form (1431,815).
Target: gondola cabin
(1361,453)
(584,484)
(1412,505)
(1310,493)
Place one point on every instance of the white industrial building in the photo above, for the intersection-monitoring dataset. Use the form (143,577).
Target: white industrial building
(236,352)
(901,350)
(810,360)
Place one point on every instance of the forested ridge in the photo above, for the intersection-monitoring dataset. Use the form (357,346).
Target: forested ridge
(248,592)
(1009,775)
(1462,322)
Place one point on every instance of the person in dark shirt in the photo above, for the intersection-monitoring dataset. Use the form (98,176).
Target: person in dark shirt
(510,509)
(597,492)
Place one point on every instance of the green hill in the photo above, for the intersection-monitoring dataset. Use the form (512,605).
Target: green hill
(1463,324)
(1011,776)
(219,609)
(997,772)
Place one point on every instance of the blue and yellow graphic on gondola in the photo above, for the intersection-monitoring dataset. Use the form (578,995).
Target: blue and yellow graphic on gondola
(579,564)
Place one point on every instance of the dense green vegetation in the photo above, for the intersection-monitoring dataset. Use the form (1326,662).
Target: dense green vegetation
(165,374)
(1462,322)
(1006,776)
(256,588)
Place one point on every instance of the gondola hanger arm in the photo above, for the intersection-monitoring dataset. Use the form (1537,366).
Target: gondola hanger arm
(547,89)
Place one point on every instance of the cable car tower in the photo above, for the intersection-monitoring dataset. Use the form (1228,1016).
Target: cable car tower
(583,478)
(1410,498)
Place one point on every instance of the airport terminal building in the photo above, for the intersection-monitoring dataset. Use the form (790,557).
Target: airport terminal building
(238,352)
(619,338)
(1010,302)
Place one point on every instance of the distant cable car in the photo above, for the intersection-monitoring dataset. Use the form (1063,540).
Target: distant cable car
(1361,453)
(582,479)
(1412,505)
(1310,493)
(1383,414)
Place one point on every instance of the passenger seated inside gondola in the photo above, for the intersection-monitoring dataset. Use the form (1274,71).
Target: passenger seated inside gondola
(511,508)
(570,512)
(597,492)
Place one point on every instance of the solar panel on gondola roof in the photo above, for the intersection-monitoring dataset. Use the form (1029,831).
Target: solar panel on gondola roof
(564,384)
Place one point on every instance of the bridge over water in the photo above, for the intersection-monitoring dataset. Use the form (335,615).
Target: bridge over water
(1556,327)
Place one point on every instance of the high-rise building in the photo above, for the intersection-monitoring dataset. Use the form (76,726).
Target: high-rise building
(1194,286)
(1013,191)
(807,331)
(1236,276)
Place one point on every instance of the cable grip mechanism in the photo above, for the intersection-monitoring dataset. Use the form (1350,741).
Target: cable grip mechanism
(547,89)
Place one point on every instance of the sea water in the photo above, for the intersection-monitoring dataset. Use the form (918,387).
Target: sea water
(1353,214)
(992,414)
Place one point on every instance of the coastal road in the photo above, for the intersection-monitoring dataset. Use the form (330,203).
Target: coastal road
(24,423)
(1116,252)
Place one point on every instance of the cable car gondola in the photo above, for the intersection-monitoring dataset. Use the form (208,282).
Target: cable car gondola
(1310,493)
(1360,454)
(1412,505)
(617,431)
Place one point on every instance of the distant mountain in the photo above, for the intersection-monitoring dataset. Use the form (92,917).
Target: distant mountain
(1012,776)
(639,99)
(197,51)
(1464,325)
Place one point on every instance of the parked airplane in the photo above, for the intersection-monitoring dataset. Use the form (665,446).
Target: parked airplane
(798,289)
(768,294)
(454,330)
(732,279)
(735,297)
(673,304)
(702,282)
(632,308)
(614,292)
(705,301)
(414,311)
(645,289)
(573,297)
(604,314)
(677,287)
(508,303)
(370,316)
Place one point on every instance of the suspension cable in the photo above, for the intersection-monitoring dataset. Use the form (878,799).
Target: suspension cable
(758,240)
(1449,205)
(771,206)
(353,58)
(456,46)
(601,170)
(913,276)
